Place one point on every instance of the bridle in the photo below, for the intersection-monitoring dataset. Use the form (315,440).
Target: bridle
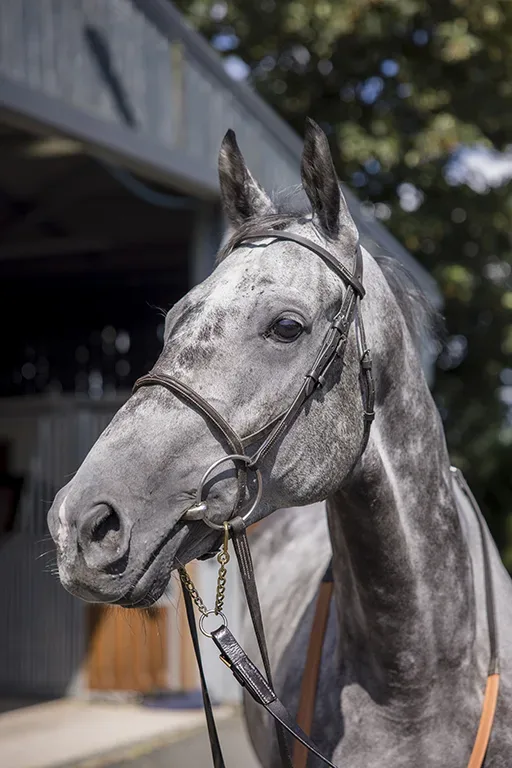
(266,437)
(332,349)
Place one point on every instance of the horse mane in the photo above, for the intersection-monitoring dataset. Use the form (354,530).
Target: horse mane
(423,320)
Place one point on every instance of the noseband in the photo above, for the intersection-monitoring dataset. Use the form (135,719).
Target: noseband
(332,349)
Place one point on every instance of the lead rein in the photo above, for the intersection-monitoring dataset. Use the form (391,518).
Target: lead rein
(234,657)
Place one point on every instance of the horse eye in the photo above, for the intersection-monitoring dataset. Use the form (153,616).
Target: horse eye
(287,329)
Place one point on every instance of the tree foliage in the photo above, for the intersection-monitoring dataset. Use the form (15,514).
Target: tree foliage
(412,93)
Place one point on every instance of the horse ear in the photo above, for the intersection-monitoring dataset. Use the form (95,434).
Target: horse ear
(241,195)
(320,181)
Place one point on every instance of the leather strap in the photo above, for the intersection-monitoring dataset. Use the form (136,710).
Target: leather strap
(489,585)
(243,555)
(261,690)
(352,279)
(199,404)
(193,399)
(318,629)
(216,750)
(247,674)
(312,667)
(486,722)
(333,348)
(493,680)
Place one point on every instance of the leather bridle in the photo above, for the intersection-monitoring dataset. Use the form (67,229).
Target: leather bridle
(332,349)
(265,438)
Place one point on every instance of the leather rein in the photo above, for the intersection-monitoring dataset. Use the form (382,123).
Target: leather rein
(231,653)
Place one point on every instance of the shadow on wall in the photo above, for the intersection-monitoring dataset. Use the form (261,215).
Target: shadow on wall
(101,54)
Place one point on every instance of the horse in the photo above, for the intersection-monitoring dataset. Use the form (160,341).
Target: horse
(407,646)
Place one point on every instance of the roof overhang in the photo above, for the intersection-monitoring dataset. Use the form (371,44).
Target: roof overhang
(136,86)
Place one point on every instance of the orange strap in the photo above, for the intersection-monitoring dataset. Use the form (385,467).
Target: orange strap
(312,671)
(486,720)
(310,683)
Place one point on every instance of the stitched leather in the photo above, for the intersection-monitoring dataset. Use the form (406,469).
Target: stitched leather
(333,347)
(247,675)
(242,667)
(192,398)
(243,555)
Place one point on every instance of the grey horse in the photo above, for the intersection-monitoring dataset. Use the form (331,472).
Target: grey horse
(406,652)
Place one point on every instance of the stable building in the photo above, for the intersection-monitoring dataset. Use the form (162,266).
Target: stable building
(111,117)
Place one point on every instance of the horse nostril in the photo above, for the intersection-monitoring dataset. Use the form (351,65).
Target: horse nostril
(102,528)
(104,538)
(107,524)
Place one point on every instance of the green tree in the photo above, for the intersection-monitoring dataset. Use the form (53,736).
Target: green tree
(406,89)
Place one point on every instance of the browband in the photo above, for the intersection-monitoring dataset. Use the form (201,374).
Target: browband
(353,280)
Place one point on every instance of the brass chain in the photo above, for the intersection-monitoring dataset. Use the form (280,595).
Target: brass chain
(222,559)
(194,594)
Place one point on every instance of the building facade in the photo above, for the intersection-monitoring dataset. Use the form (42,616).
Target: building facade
(111,117)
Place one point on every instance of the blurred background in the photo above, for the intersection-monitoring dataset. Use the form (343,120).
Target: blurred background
(111,117)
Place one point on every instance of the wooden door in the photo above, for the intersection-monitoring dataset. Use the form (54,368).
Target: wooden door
(128,649)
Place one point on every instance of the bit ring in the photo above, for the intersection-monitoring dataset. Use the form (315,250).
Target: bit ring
(199,507)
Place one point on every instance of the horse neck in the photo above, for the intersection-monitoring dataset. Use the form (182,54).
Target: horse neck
(401,566)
